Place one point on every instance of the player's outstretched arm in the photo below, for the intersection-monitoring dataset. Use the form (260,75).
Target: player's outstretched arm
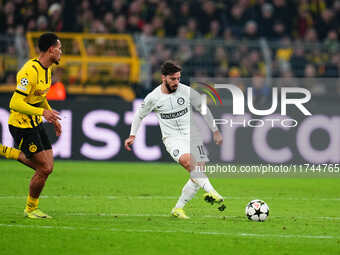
(128,142)
(218,137)
(145,108)
(134,128)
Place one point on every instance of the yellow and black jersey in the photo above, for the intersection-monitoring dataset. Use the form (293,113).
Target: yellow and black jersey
(29,99)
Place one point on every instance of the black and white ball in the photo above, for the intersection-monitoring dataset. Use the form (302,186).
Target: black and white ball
(257,210)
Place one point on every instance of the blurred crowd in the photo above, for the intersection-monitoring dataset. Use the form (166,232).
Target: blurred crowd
(302,34)
(307,20)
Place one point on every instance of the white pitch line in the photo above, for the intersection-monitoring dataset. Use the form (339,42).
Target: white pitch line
(141,215)
(173,231)
(95,197)
(142,197)
(165,198)
(195,216)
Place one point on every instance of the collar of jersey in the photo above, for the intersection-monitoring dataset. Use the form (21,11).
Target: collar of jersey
(36,60)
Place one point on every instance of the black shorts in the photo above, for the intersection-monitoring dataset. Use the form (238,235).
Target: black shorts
(30,140)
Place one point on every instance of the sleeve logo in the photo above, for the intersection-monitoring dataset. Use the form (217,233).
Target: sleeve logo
(23,84)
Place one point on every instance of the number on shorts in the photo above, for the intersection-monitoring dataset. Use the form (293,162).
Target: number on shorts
(200,149)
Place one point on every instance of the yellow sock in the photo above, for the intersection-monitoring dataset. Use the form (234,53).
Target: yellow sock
(31,203)
(9,152)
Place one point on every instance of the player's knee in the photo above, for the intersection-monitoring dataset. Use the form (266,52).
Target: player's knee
(185,161)
(49,169)
(186,165)
(46,168)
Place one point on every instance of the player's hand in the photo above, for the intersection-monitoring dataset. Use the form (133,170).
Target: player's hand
(51,116)
(57,127)
(218,137)
(129,142)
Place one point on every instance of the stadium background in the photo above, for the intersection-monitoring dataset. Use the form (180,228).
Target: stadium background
(112,51)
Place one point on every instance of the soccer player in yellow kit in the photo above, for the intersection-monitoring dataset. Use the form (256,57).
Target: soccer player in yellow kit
(28,104)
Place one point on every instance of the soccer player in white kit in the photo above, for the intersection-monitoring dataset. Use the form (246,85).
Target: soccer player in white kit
(172,102)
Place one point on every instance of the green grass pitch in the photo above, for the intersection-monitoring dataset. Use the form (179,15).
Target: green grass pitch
(124,208)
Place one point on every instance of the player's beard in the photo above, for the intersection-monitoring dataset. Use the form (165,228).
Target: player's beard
(169,88)
(56,61)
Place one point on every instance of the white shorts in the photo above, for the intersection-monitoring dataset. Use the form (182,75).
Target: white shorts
(177,146)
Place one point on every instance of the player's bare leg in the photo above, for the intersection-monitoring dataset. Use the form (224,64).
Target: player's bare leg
(211,196)
(197,180)
(13,153)
(43,162)
(44,166)
(197,174)
(32,164)
(27,162)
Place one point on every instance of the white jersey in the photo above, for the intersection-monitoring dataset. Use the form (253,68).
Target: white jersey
(174,112)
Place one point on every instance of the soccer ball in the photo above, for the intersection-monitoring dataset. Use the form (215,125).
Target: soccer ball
(257,210)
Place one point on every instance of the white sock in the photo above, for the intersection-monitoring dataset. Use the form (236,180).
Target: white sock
(188,192)
(202,180)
